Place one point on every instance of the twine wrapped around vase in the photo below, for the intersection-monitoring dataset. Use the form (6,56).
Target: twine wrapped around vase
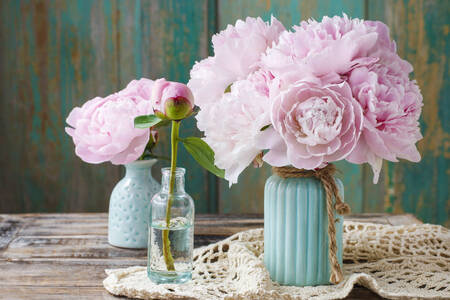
(325,175)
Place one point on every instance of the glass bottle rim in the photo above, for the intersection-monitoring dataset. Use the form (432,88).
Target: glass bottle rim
(178,171)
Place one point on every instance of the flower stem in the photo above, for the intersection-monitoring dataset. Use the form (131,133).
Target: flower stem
(168,259)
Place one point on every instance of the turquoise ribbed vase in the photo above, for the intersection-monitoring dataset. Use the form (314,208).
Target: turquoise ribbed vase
(129,206)
(295,231)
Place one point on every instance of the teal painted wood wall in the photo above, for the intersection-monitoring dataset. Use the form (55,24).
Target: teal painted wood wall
(57,54)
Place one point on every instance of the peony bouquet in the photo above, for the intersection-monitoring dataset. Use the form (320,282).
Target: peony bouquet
(322,92)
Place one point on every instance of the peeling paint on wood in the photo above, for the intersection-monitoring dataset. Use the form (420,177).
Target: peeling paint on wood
(421,30)
(57,54)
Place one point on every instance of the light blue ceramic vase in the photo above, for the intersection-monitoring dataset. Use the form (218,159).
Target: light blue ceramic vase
(129,206)
(295,231)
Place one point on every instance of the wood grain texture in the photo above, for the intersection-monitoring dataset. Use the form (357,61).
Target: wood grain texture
(175,34)
(58,54)
(155,44)
(50,256)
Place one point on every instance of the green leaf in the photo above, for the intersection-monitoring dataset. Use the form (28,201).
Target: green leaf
(203,154)
(228,89)
(265,127)
(163,123)
(147,121)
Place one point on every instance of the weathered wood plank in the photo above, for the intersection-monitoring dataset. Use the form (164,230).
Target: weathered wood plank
(169,47)
(63,264)
(59,247)
(248,195)
(95,224)
(8,230)
(40,279)
(84,236)
(405,219)
(421,29)
(58,55)
(383,218)
(75,293)
(374,195)
(48,273)
(55,292)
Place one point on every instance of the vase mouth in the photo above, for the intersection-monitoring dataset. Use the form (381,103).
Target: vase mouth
(178,171)
(142,163)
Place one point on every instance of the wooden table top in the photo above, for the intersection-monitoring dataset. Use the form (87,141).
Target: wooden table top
(63,256)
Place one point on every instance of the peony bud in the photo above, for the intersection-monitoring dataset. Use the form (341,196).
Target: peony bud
(177,108)
(172,100)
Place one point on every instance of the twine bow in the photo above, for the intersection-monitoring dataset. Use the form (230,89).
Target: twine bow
(325,175)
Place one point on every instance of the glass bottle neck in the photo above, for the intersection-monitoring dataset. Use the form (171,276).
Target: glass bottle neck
(178,180)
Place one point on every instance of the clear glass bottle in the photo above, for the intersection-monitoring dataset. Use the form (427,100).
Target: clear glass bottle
(179,235)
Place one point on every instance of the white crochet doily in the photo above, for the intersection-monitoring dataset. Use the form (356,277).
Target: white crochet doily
(393,261)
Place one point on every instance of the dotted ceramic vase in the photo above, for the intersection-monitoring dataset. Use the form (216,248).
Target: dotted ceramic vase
(129,206)
(295,231)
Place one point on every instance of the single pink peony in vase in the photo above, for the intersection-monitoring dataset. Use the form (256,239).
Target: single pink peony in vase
(103,128)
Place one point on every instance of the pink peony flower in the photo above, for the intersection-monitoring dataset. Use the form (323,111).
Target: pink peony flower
(232,125)
(392,106)
(262,82)
(172,100)
(312,125)
(103,128)
(141,88)
(237,52)
(208,81)
(324,50)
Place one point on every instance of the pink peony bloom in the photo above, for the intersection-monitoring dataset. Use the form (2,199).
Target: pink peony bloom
(208,81)
(141,88)
(232,125)
(312,125)
(324,50)
(103,128)
(237,52)
(392,106)
(174,100)
(262,82)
